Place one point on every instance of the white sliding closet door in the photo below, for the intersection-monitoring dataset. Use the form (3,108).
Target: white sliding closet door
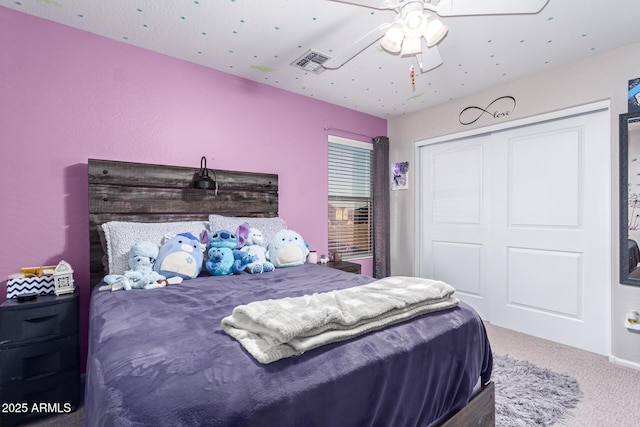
(455,205)
(519,222)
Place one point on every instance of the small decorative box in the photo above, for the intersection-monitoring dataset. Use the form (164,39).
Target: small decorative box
(28,285)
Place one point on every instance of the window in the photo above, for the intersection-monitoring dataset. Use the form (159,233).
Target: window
(350,197)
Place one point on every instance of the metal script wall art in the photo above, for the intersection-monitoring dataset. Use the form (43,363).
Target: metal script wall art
(498,108)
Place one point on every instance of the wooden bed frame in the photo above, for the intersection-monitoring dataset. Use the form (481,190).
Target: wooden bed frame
(137,192)
(124,191)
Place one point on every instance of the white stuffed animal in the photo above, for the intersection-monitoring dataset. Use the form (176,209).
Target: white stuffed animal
(254,246)
(142,255)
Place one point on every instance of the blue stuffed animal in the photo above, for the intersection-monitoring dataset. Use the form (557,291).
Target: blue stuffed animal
(180,256)
(142,255)
(224,256)
(287,249)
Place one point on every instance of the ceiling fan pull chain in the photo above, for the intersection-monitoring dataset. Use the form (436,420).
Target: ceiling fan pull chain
(413,78)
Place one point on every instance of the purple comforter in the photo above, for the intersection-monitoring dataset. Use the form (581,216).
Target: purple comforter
(160,358)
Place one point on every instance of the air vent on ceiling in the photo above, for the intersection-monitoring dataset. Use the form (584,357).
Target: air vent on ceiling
(311,61)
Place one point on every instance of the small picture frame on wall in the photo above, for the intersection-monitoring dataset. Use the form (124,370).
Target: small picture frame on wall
(634,95)
(400,176)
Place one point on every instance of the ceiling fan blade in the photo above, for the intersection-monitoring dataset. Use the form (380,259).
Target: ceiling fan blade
(488,7)
(374,4)
(361,44)
(429,58)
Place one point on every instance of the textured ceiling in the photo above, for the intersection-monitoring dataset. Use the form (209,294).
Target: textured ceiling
(259,39)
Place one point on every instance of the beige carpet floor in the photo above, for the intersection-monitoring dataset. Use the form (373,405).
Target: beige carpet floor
(611,392)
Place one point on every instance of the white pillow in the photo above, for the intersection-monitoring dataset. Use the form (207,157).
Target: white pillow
(268,226)
(120,236)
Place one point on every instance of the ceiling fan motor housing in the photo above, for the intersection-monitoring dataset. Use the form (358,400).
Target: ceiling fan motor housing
(415,21)
(405,34)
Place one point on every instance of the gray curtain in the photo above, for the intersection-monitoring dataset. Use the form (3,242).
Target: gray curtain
(381,222)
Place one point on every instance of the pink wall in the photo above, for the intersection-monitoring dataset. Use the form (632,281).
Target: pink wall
(67,95)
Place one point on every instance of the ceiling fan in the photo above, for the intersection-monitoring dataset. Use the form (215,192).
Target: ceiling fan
(417,23)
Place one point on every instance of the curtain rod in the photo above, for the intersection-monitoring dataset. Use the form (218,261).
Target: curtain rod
(349,132)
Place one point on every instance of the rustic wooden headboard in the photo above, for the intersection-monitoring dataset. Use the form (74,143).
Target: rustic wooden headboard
(124,191)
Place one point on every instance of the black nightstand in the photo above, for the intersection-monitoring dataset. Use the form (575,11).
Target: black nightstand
(39,357)
(349,267)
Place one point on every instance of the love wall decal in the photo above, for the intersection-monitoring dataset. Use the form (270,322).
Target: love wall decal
(498,108)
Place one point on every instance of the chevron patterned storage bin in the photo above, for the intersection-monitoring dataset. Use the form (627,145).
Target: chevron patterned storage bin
(39,285)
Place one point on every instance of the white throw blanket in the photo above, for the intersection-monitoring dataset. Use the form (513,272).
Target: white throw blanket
(274,329)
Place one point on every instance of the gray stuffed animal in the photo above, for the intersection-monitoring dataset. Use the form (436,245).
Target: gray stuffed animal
(142,256)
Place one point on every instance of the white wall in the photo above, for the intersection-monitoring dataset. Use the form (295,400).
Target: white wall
(600,77)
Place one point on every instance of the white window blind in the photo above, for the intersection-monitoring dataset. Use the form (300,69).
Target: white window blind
(350,198)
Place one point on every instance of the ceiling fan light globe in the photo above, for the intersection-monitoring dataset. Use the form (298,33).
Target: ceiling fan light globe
(391,46)
(392,40)
(411,47)
(435,32)
(415,24)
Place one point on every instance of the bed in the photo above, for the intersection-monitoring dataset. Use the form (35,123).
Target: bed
(160,357)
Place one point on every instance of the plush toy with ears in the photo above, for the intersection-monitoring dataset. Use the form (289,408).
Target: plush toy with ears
(224,256)
(254,245)
(142,256)
(180,256)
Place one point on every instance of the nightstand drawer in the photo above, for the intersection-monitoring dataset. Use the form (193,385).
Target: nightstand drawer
(38,360)
(58,393)
(47,316)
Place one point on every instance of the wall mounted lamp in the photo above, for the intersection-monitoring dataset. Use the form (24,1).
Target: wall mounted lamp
(203,181)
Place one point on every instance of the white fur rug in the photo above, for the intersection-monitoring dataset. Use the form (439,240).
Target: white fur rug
(527,395)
